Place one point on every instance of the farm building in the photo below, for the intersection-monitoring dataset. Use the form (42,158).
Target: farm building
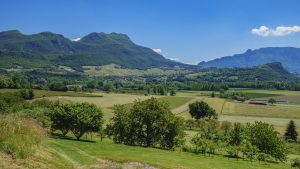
(259,101)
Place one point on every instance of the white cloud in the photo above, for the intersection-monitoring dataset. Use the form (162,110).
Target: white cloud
(175,59)
(76,39)
(278,31)
(157,50)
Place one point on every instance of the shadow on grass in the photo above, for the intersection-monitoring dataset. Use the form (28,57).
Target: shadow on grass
(60,136)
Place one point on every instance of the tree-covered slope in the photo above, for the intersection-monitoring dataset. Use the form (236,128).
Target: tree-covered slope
(268,72)
(288,56)
(92,50)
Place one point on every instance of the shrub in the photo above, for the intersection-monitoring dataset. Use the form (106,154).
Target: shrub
(295,163)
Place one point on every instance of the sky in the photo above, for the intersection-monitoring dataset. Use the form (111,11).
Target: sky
(188,31)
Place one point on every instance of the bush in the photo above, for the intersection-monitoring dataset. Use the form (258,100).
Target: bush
(19,136)
(27,94)
(295,163)
(57,86)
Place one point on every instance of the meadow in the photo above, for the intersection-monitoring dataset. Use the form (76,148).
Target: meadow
(88,154)
(93,153)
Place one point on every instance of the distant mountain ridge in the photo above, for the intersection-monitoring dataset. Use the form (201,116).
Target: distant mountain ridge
(95,49)
(288,56)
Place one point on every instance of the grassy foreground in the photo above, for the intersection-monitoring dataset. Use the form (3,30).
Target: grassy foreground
(84,153)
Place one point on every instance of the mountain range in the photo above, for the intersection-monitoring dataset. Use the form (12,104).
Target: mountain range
(288,56)
(49,49)
(46,49)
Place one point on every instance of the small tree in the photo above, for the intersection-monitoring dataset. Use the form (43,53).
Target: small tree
(226,126)
(85,118)
(172,92)
(201,109)
(61,118)
(272,101)
(237,134)
(212,94)
(291,132)
(264,137)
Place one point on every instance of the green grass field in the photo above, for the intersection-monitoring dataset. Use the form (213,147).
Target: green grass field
(89,153)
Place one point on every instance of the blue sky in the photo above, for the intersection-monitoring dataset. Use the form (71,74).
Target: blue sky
(187,30)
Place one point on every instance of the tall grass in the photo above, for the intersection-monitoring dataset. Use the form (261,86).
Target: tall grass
(19,136)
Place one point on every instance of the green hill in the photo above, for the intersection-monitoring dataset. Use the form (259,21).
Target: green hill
(47,49)
(267,72)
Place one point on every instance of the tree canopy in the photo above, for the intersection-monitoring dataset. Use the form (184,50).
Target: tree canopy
(201,109)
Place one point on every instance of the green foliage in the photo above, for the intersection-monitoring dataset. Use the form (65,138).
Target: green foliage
(58,86)
(237,134)
(226,127)
(264,137)
(27,94)
(295,163)
(291,133)
(172,92)
(79,118)
(10,102)
(272,100)
(148,123)
(201,109)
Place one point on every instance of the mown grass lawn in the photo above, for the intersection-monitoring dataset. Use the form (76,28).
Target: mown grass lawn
(79,152)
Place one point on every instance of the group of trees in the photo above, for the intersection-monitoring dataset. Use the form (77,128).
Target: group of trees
(14,101)
(253,141)
(148,123)
(14,82)
(78,118)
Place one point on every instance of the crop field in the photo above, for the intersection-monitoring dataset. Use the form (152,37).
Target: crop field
(277,92)
(87,154)
(275,111)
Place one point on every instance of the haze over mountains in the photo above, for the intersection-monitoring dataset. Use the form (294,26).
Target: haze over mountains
(288,56)
(48,49)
